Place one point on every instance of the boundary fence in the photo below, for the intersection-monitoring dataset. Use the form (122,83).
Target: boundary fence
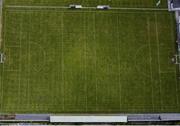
(66,7)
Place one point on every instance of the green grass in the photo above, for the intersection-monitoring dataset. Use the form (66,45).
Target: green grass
(86,61)
(117,3)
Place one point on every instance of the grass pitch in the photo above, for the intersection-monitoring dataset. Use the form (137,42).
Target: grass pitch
(115,3)
(88,61)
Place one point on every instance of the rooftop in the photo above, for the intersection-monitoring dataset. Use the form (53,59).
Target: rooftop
(176,3)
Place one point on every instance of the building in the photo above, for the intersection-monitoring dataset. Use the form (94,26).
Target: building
(89,119)
(174,5)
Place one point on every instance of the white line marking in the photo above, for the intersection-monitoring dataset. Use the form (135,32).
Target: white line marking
(94,35)
(36,7)
(2,82)
(19,84)
(29,58)
(1,24)
(135,57)
(13,46)
(65,7)
(149,43)
(81,11)
(166,72)
(11,70)
(141,9)
(119,72)
(44,56)
(9,56)
(159,67)
(89,7)
(62,61)
(85,62)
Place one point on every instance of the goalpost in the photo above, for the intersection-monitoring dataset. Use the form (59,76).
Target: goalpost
(176,59)
(2,57)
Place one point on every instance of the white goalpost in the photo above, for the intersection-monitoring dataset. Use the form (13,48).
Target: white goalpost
(176,59)
(2,58)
